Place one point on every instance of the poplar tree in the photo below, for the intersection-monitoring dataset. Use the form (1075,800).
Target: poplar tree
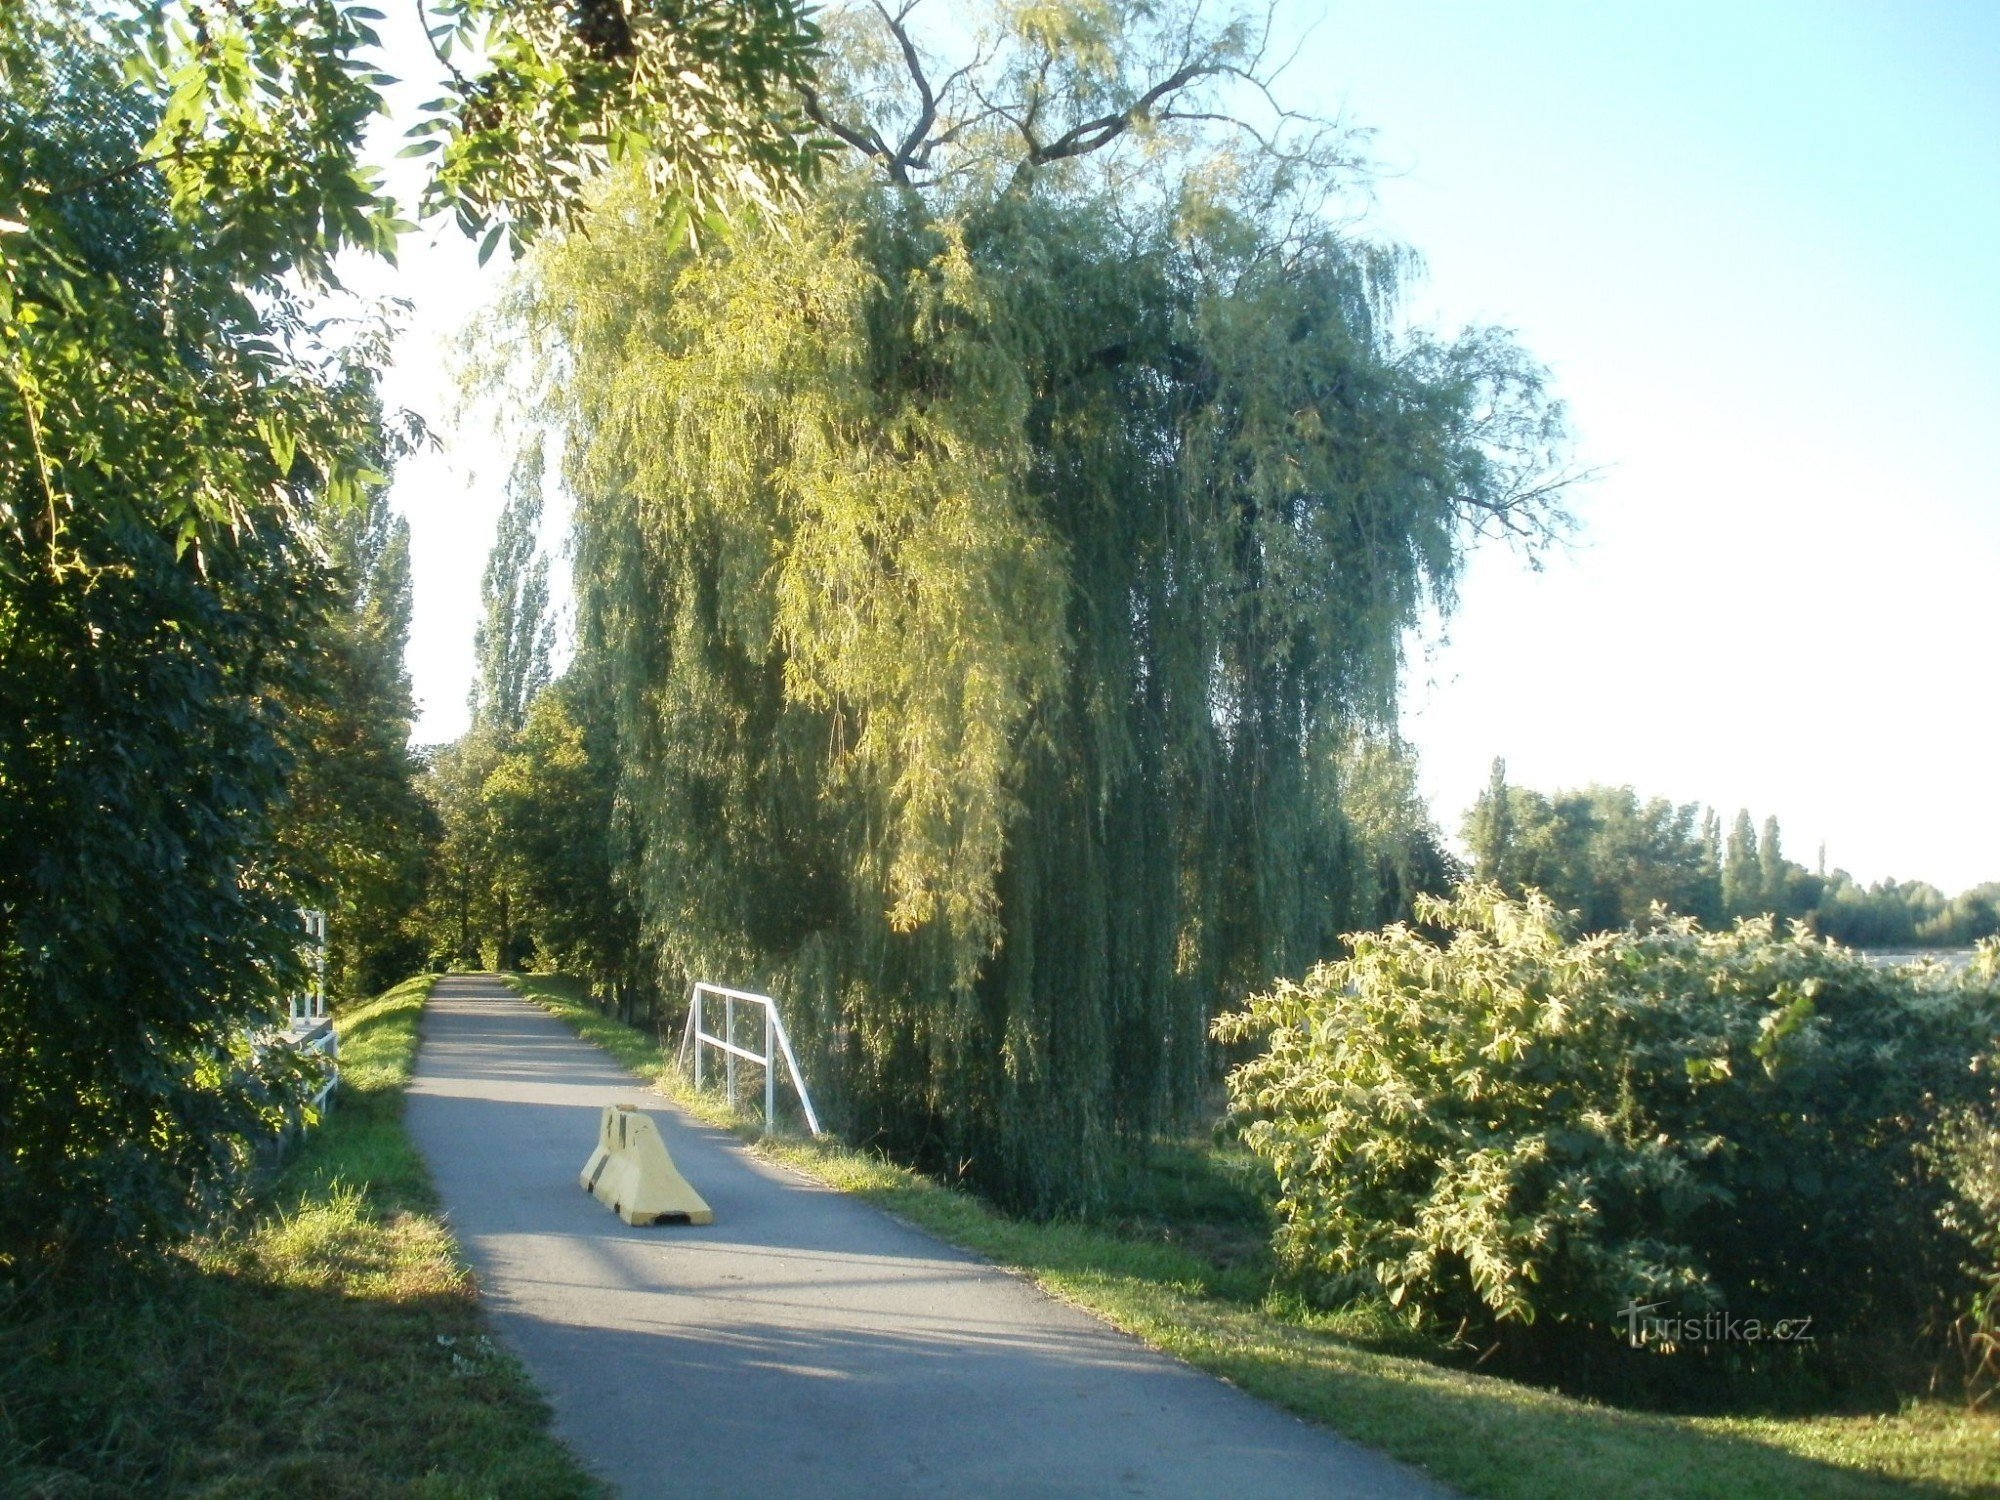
(511,646)
(1771,868)
(991,556)
(353,826)
(1712,905)
(1742,875)
(1489,827)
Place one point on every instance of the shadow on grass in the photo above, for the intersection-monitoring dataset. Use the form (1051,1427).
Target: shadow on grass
(181,1379)
(330,1344)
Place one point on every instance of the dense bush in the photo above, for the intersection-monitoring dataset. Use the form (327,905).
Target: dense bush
(140,936)
(167,427)
(1967,1151)
(1511,1129)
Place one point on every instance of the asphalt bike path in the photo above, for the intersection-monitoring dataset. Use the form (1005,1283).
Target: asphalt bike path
(806,1344)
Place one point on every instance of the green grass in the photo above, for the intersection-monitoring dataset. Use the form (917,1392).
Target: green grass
(330,1345)
(1155,1277)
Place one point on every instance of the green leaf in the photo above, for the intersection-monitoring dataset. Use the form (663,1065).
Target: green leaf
(281,442)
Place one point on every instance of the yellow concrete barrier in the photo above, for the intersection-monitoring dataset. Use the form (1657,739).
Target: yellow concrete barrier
(632,1173)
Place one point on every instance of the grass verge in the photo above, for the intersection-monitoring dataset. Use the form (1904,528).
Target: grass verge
(331,1345)
(1485,1436)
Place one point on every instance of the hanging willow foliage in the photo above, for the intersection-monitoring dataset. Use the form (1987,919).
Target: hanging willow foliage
(986,573)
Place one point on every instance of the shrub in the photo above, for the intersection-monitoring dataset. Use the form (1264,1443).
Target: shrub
(1967,1151)
(1512,1129)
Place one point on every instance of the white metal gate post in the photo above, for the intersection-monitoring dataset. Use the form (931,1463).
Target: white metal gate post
(697,1032)
(729,1036)
(319,994)
(308,1023)
(770,1071)
(308,1005)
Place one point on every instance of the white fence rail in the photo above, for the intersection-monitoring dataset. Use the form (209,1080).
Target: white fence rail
(309,1026)
(776,1046)
(309,1005)
(324,1040)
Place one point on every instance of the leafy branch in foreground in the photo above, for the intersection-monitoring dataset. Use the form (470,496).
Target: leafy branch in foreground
(703,98)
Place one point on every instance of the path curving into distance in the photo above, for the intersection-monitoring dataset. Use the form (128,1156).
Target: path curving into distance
(806,1344)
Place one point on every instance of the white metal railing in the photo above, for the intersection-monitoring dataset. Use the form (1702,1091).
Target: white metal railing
(776,1045)
(309,1027)
(324,1040)
(309,1006)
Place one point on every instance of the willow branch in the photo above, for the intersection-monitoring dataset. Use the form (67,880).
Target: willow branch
(927,101)
(866,142)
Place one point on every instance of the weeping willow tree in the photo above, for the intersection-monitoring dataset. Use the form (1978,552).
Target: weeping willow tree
(987,560)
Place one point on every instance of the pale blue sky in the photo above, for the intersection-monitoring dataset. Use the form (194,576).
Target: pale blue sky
(1754,244)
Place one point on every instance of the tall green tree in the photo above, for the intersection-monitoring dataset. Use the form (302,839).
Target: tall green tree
(1395,853)
(516,630)
(1599,852)
(466,921)
(553,797)
(991,557)
(1771,864)
(1712,906)
(1742,873)
(353,824)
(1488,832)
(474,915)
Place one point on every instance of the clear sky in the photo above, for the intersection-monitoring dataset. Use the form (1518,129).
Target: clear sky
(1755,244)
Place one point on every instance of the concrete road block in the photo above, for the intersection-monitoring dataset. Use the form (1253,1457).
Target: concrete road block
(631,1173)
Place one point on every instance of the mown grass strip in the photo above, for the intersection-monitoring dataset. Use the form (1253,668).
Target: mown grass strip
(1485,1436)
(332,1345)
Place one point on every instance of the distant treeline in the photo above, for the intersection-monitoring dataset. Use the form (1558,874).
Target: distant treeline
(1602,852)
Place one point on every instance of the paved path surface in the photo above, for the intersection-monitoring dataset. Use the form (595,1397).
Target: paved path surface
(805,1344)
